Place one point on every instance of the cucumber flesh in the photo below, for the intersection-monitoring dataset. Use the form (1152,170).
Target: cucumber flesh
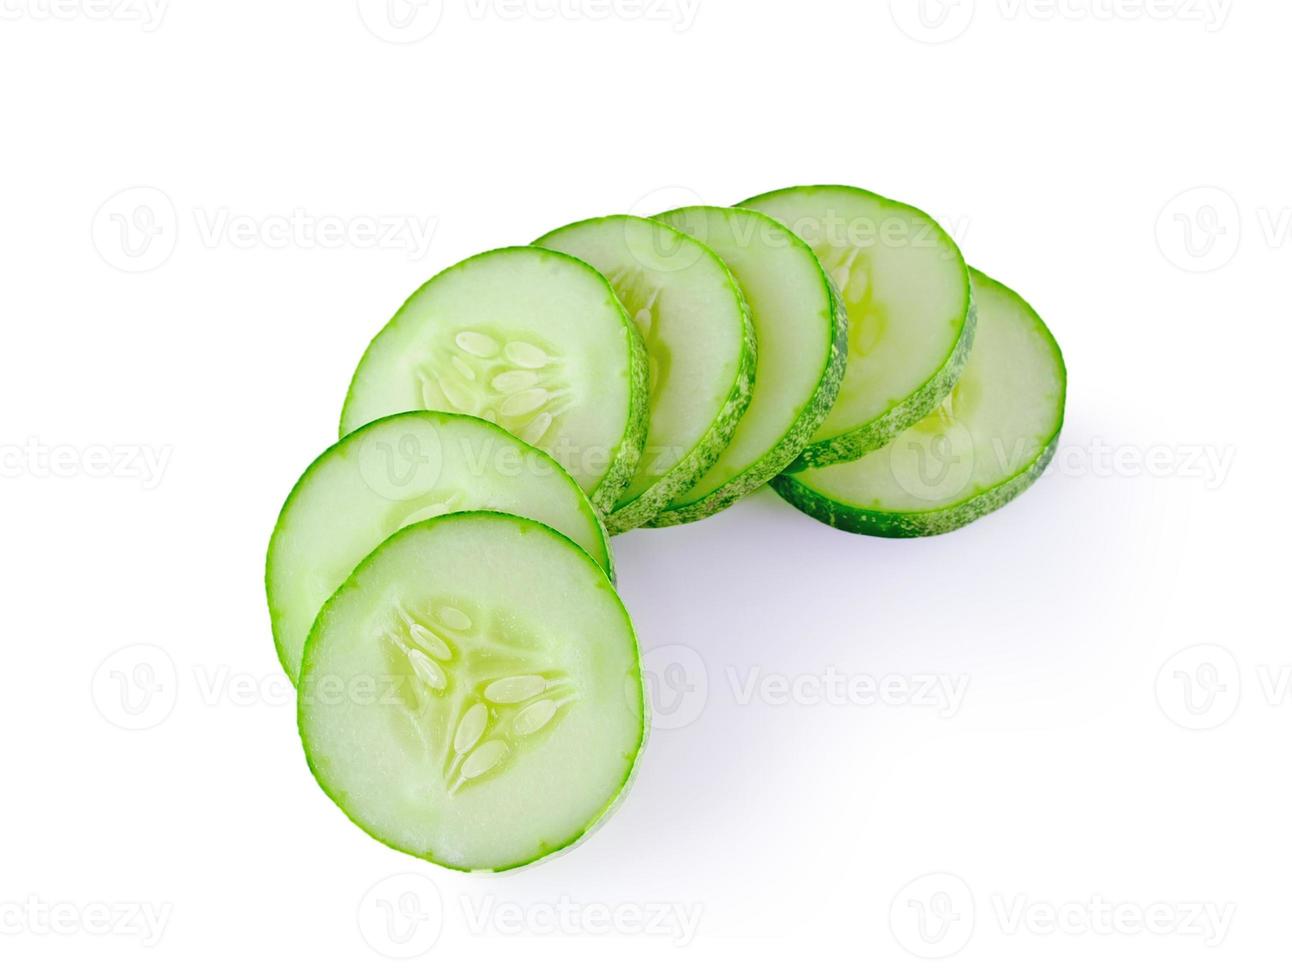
(472,694)
(394,472)
(699,342)
(528,338)
(988,441)
(910,311)
(801,330)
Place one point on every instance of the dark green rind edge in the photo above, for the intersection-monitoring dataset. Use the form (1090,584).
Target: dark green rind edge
(918,524)
(652,501)
(624,457)
(625,784)
(796,438)
(603,535)
(686,471)
(884,427)
(628,455)
(914,524)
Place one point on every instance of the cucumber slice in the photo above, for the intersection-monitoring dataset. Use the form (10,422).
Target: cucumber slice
(472,694)
(394,472)
(528,338)
(802,335)
(699,342)
(987,443)
(910,311)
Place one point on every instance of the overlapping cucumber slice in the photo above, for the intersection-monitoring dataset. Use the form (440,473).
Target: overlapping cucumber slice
(988,441)
(472,694)
(699,341)
(394,472)
(531,339)
(801,331)
(469,684)
(910,310)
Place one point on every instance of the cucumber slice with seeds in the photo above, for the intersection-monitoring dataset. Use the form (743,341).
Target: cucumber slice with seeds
(526,337)
(394,472)
(801,331)
(699,341)
(988,442)
(472,694)
(910,311)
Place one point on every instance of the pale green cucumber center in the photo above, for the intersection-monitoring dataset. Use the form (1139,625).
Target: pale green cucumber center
(499,710)
(793,322)
(684,304)
(903,285)
(1000,416)
(520,337)
(395,472)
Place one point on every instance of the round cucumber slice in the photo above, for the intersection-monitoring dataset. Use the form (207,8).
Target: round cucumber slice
(699,342)
(394,472)
(984,445)
(528,338)
(910,311)
(802,335)
(472,694)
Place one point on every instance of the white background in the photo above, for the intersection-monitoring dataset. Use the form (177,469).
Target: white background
(1091,774)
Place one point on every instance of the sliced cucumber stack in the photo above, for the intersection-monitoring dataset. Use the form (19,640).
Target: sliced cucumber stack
(397,471)
(699,342)
(526,337)
(910,311)
(469,688)
(985,444)
(801,330)
(472,694)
